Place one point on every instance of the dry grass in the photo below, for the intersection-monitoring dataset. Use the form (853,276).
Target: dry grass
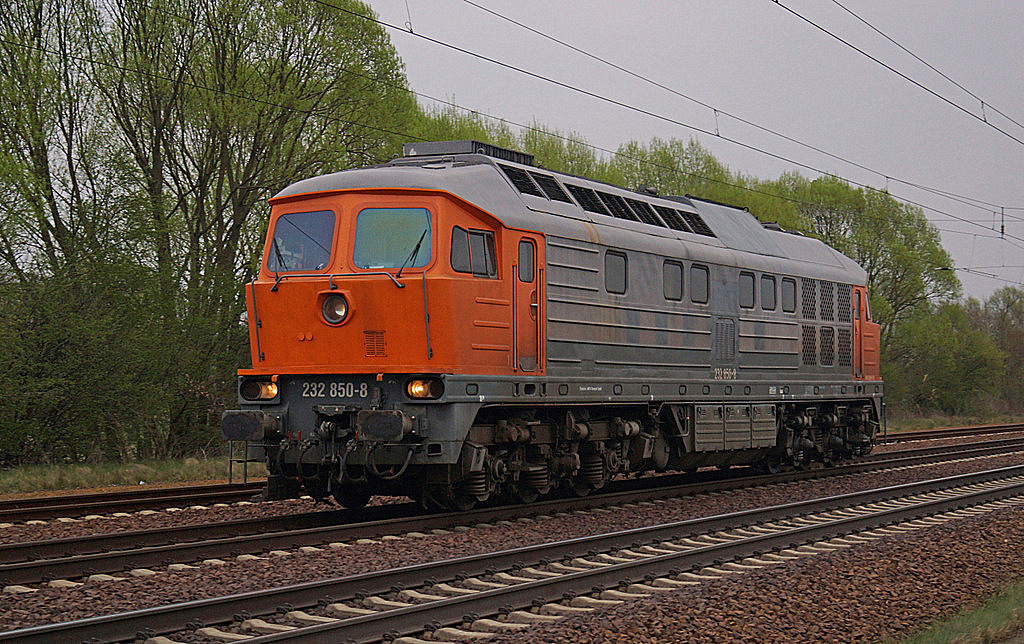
(996,621)
(37,478)
(907,422)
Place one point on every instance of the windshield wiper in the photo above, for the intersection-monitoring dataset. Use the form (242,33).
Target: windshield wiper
(415,251)
(280,264)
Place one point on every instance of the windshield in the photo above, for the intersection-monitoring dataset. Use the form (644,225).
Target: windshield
(392,238)
(301,242)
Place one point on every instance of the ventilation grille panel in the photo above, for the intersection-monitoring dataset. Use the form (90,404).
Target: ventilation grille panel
(375,344)
(645,212)
(845,348)
(845,303)
(808,298)
(725,341)
(697,224)
(810,345)
(617,206)
(827,346)
(550,187)
(673,218)
(828,301)
(521,180)
(587,199)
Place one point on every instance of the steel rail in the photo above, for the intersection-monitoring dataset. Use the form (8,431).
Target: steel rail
(124,551)
(171,618)
(405,621)
(949,432)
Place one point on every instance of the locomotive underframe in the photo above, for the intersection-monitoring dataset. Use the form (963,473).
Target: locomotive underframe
(525,437)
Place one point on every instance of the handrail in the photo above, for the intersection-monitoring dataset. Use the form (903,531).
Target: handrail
(330,277)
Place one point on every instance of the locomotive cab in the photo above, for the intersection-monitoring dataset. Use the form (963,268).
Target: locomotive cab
(366,302)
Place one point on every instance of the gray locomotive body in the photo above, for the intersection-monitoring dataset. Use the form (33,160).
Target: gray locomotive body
(642,333)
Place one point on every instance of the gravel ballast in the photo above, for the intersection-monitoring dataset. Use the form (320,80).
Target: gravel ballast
(49,605)
(891,588)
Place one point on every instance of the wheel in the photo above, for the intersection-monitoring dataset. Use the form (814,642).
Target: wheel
(580,487)
(352,495)
(524,494)
(461,502)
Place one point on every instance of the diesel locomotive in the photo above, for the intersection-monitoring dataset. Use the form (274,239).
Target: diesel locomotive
(459,323)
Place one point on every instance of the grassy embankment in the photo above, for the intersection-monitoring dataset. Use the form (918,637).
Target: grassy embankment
(898,421)
(40,478)
(997,621)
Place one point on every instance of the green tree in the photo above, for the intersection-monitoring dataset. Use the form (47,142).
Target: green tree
(1002,315)
(900,250)
(940,360)
(139,140)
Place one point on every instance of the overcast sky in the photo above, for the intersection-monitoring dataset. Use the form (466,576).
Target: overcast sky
(756,60)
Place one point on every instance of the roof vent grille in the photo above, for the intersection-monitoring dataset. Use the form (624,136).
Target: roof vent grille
(521,180)
(587,199)
(697,224)
(617,206)
(550,187)
(673,218)
(645,212)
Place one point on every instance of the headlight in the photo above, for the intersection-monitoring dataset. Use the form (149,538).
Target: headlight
(335,309)
(258,390)
(424,388)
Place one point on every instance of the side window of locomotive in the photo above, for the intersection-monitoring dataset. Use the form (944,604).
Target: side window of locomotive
(615,272)
(392,238)
(526,261)
(473,252)
(767,292)
(788,295)
(700,280)
(672,274)
(856,305)
(301,241)
(747,290)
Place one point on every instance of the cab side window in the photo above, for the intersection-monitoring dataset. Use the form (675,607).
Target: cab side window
(615,272)
(672,276)
(788,294)
(473,252)
(767,292)
(700,285)
(526,252)
(746,290)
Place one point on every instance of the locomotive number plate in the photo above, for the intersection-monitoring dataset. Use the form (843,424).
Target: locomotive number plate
(725,374)
(311,389)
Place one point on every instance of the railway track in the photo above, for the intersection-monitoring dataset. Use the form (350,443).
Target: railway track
(949,432)
(75,505)
(556,578)
(73,558)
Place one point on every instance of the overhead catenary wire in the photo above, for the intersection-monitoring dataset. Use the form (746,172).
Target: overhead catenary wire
(408,135)
(898,72)
(978,203)
(878,31)
(624,105)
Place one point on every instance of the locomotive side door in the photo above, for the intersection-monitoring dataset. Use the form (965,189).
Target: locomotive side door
(866,338)
(527,277)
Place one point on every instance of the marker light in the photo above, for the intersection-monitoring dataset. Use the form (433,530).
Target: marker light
(424,388)
(258,390)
